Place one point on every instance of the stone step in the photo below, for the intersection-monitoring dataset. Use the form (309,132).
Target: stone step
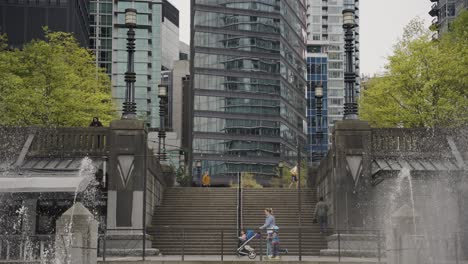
(217,208)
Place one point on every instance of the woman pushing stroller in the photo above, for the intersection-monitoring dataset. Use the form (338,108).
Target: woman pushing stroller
(270,223)
(272,239)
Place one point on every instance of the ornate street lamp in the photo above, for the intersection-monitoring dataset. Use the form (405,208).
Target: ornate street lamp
(350,107)
(129,105)
(162,94)
(319,103)
(199,165)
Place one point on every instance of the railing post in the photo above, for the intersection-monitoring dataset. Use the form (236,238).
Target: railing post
(183,244)
(456,236)
(300,244)
(378,246)
(261,248)
(21,251)
(8,251)
(339,247)
(104,247)
(41,251)
(143,253)
(222,245)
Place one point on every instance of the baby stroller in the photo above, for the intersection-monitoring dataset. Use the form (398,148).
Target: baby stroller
(244,249)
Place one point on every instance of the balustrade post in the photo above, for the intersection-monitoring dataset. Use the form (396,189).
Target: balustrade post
(339,247)
(8,251)
(378,246)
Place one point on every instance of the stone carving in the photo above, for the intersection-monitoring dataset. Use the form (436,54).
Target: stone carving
(125,168)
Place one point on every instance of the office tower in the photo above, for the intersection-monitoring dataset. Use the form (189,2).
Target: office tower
(101,25)
(169,36)
(325,67)
(23,20)
(248,77)
(444,12)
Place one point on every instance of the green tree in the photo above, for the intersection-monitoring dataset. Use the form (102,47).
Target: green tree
(51,83)
(426,81)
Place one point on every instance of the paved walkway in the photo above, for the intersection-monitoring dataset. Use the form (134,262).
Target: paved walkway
(306,259)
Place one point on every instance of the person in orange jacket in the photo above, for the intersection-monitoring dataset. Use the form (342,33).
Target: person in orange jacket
(206,180)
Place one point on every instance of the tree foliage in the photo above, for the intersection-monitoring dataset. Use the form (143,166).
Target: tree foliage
(248,181)
(52,82)
(426,81)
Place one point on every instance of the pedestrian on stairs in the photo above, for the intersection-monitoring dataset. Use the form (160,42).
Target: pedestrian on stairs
(294,180)
(321,214)
(206,180)
(270,223)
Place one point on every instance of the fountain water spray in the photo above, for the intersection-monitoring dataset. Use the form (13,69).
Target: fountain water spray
(87,172)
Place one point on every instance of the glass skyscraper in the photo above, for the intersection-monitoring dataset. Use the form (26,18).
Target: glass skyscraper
(326,65)
(248,68)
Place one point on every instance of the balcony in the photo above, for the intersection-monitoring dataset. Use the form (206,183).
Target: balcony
(434,10)
(435,22)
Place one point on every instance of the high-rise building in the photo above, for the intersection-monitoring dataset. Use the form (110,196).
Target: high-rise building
(170,36)
(24,20)
(100,33)
(248,77)
(173,79)
(157,41)
(326,66)
(444,12)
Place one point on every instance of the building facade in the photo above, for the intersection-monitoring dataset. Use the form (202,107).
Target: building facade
(248,65)
(444,12)
(326,66)
(23,20)
(169,36)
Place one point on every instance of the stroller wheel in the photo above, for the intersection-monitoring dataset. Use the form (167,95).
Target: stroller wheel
(252,255)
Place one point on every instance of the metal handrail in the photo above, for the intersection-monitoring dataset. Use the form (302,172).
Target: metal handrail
(185,230)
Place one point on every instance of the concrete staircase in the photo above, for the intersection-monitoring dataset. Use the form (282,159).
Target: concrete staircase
(199,214)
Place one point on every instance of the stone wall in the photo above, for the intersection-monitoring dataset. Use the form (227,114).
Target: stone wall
(355,186)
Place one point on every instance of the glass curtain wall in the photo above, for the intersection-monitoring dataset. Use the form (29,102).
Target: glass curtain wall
(249,86)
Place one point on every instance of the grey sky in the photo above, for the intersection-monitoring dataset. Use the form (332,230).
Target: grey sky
(382,23)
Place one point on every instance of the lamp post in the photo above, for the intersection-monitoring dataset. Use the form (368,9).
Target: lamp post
(299,196)
(319,103)
(280,167)
(198,165)
(129,105)
(350,107)
(162,94)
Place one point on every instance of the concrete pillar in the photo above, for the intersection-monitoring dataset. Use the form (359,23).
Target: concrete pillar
(126,184)
(76,237)
(351,146)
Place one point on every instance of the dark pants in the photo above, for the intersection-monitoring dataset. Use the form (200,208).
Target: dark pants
(275,249)
(323,223)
